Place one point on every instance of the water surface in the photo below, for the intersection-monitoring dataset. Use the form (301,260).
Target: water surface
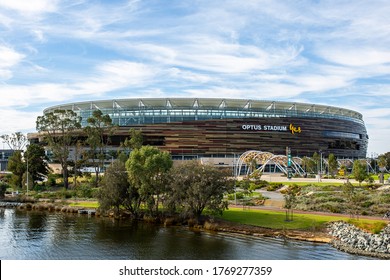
(40,235)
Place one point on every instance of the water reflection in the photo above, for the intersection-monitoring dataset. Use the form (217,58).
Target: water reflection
(45,235)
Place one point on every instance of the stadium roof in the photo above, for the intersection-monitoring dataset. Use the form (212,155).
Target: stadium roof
(208,103)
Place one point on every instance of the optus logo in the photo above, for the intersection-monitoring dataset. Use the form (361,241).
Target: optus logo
(295,129)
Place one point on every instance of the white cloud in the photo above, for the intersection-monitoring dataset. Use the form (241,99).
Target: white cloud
(30,6)
(109,76)
(356,57)
(9,57)
(14,120)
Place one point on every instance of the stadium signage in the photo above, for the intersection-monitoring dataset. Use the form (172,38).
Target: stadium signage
(283,128)
(264,127)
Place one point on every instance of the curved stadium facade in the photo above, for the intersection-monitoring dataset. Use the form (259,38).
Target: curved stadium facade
(225,128)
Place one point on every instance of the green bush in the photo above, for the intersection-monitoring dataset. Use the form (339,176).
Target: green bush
(274,186)
(3,189)
(239,195)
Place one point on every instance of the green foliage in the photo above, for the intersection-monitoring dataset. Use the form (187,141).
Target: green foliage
(38,166)
(17,167)
(359,171)
(332,164)
(86,191)
(237,195)
(195,187)
(98,133)
(147,169)
(290,199)
(58,128)
(114,191)
(3,189)
(274,186)
(51,180)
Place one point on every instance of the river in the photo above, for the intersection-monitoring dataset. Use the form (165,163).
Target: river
(36,235)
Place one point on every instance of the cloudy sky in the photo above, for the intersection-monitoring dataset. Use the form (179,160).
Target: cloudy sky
(328,52)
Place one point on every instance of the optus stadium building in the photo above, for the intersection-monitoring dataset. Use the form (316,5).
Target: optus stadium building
(201,128)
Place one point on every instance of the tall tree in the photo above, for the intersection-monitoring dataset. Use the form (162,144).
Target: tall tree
(195,187)
(16,141)
(37,161)
(359,171)
(17,167)
(308,165)
(98,133)
(57,129)
(317,160)
(147,168)
(332,164)
(114,191)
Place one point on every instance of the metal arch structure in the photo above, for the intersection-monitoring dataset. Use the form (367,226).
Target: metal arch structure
(349,162)
(253,155)
(265,158)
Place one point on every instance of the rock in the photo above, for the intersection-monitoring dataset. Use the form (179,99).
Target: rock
(349,238)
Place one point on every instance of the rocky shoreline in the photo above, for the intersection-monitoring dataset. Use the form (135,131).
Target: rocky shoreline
(350,239)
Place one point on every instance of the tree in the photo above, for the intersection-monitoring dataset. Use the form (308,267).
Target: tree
(290,198)
(353,198)
(78,161)
(387,157)
(15,141)
(37,159)
(114,191)
(195,187)
(308,165)
(57,129)
(147,169)
(382,163)
(359,171)
(17,167)
(99,129)
(135,141)
(332,164)
(317,161)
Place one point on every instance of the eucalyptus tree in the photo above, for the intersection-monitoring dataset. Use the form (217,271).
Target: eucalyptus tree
(38,166)
(98,132)
(58,129)
(147,168)
(114,191)
(195,187)
(18,168)
(16,141)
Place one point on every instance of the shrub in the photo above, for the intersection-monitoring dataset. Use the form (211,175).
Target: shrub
(239,195)
(3,189)
(84,191)
(274,186)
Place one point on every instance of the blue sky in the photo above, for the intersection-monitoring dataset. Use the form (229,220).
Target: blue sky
(328,52)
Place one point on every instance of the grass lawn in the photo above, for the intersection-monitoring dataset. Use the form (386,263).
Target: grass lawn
(86,204)
(276,220)
(319,184)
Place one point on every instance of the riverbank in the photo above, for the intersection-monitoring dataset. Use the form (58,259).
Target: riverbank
(324,234)
(206,223)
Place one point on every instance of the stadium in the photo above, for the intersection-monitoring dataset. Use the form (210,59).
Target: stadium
(220,130)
